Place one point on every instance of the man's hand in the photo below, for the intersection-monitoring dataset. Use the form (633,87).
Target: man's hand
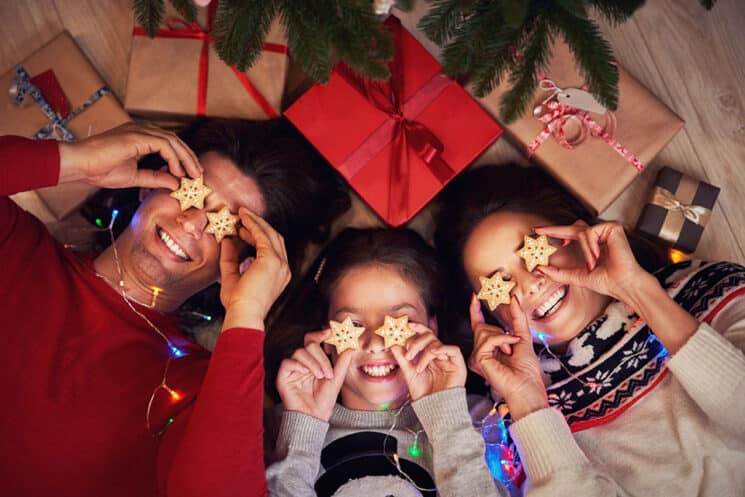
(247,298)
(438,368)
(308,384)
(110,159)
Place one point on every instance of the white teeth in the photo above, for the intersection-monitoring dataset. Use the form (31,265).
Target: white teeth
(173,246)
(550,303)
(378,370)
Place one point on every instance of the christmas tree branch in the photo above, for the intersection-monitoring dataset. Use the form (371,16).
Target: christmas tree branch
(149,14)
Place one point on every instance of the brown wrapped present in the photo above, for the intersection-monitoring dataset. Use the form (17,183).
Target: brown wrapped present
(56,93)
(678,209)
(596,155)
(178,74)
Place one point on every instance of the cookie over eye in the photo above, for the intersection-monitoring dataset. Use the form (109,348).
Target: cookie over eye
(344,335)
(395,331)
(191,193)
(495,290)
(222,224)
(536,251)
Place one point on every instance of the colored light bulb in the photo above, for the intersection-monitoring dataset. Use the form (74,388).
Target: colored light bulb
(414,451)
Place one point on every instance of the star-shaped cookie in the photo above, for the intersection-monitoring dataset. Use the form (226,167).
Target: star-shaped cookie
(222,223)
(395,331)
(191,193)
(495,290)
(536,251)
(344,335)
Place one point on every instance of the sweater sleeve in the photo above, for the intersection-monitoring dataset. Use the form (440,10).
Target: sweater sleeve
(299,448)
(27,164)
(457,448)
(711,367)
(219,450)
(553,462)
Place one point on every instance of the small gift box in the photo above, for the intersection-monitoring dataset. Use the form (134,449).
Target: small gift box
(596,154)
(397,142)
(56,93)
(178,74)
(678,209)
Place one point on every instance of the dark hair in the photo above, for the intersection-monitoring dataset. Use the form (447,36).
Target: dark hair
(487,189)
(307,306)
(302,193)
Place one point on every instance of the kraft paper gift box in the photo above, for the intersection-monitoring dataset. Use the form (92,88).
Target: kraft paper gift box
(77,104)
(178,75)
(398,143)
(594,170)
(678,209)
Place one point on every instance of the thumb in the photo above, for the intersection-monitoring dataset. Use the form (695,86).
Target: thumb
(146,178)
(407,367)
(340,369)
(229,272)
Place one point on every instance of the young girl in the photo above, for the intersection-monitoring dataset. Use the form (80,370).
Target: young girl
(638,387)
(402,426)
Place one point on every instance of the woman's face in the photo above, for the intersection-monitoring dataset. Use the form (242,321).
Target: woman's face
(367,294)
(558,311)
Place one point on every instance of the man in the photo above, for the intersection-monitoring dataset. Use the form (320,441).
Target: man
(102,395)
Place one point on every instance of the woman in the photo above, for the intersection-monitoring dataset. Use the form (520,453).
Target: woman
(637,385)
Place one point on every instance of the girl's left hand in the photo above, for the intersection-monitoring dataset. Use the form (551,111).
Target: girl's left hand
(611,268)
(439,366)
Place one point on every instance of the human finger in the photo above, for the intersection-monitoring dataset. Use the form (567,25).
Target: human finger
(148,178)
(306,359)
(187,158)
(567,276)
(520,328)
(341,367)
(587,251)
(229,270)
(289,366)
(276,240)
(316,336)
(314,349)
(566,232)
(475,313)
(407,367)
(428,355)
(417,343)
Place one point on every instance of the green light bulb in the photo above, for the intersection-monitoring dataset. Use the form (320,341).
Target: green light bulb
(99,223)
(414,451)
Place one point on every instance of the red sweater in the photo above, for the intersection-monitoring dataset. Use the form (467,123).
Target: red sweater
(77,368)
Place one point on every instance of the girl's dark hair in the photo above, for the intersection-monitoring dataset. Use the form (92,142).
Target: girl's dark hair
(303,194)
(307,306)
(487,189)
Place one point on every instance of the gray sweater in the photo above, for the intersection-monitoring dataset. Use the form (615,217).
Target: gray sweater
(451,450)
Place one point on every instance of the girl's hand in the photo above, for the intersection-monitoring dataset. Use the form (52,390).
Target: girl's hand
(611,268)
(438,368)
(508,362)
(247,298)
(307,382)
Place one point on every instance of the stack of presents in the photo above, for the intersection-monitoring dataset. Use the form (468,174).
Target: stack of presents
(406,139)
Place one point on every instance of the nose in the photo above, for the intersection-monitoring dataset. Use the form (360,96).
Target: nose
(529,283)
(370,342)
(193,222)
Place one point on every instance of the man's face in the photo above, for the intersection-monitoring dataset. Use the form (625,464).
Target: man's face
(167,248)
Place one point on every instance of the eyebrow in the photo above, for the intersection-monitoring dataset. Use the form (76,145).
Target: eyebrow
(395,308)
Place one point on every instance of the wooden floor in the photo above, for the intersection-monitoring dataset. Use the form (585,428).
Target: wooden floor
(691,59)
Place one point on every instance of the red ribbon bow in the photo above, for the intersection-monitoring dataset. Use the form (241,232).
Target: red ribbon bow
(400,128)
(177,28)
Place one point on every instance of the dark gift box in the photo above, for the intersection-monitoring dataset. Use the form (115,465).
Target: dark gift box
(678,209)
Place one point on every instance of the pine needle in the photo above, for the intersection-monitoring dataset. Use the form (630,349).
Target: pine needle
(149,14)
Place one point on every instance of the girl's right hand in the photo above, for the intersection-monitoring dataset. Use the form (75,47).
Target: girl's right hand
(308,383)
(508,362)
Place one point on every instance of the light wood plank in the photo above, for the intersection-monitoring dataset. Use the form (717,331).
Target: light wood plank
(26,27)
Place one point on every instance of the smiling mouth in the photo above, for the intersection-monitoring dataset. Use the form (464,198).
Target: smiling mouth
(171,244)
(379,370)
(551,304)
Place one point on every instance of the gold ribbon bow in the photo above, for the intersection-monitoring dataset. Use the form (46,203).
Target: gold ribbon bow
(694,213)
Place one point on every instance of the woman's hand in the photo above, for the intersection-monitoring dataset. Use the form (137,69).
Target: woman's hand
(110,159)
(307,382)
(438,368)
(508,362)
(247,298)
(611,267)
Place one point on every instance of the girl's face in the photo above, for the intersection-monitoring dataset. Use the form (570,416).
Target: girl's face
(367,294)
(559,311)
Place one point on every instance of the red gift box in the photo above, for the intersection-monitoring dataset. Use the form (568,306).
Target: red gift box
(398,142)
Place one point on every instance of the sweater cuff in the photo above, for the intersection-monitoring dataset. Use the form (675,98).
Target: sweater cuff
(31,164)
(709,367)
(301,432)
(442,411)
(545,443)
